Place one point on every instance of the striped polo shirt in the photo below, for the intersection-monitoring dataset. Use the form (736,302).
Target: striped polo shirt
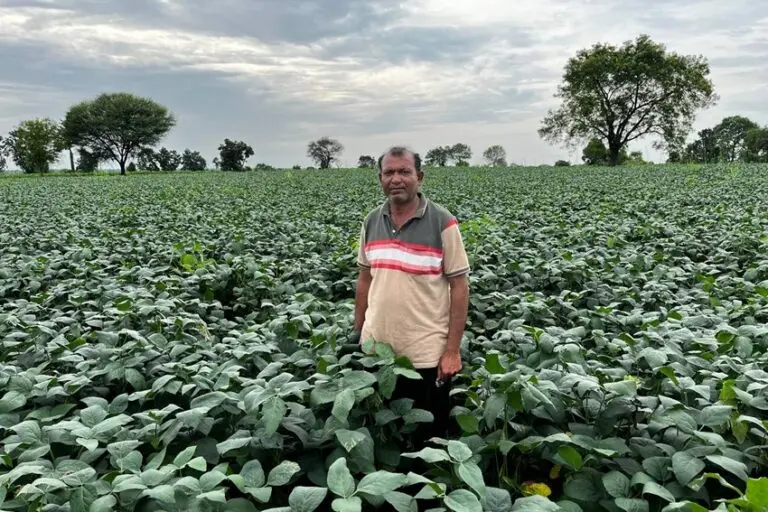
(409,296)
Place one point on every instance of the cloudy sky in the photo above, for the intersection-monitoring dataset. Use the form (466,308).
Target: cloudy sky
(279,73)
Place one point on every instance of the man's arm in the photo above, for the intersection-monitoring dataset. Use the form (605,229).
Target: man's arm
(458,311)
(361,297)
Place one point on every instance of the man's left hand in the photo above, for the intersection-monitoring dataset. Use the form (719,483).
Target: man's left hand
(449,365)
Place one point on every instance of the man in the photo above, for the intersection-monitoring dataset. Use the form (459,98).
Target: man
(413,291)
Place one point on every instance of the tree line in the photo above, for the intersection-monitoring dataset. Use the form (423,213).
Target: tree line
(610,96)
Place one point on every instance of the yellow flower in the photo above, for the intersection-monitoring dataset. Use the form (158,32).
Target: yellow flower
(534,488)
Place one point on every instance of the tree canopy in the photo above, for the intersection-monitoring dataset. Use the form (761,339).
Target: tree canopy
(495,155)
(620,94)
(117,124)
(324,151)
(35,144)
(233,155)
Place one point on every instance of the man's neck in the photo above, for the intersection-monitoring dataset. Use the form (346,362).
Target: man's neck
(401,210)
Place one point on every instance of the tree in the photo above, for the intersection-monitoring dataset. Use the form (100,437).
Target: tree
(460,153)
(147,160)
(496,155)
(705,149)
(87,161)
(622,94)
(756,145)
(35,144)
(731,135)
(366,162)
(324,151)
(117,124)
(3,154)
(233,155)
(595,153)
(437,156)
(192,161)
(168,160)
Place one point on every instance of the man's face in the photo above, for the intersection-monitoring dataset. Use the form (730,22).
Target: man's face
(399,178)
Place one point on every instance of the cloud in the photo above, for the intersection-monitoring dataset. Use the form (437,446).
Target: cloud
(278,74)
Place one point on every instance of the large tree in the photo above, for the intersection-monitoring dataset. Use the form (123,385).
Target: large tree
(620,94)
(192,161)
(324,151)
(495,155)
(437,157)
(232,155)
(117,124)
(35,144)
(731,135)
(460,153)
(756,145)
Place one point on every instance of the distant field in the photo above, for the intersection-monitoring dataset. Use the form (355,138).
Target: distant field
(169,343)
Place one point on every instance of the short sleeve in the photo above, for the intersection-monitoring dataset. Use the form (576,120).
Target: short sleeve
(455,260)
(362,260)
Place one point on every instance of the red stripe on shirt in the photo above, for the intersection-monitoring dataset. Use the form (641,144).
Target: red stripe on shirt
(411,269)
(452,222)
(404,246)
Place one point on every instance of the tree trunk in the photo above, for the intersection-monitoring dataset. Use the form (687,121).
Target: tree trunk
(613,154)
(71,160)
(122,167)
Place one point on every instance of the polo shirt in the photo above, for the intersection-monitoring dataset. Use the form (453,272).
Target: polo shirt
(409,296)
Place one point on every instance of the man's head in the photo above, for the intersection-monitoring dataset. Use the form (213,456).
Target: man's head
(400,174)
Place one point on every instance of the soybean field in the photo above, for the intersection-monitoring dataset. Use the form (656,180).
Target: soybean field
(171,342)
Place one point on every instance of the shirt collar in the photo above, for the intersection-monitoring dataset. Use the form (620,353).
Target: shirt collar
(419,211)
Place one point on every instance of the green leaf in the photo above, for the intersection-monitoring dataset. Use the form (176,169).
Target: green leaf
(493,364)
(232,444)
(401,502)
(208,401)
(253,474)
(470,474)
(428,454)
(468,423)
(462,500)
(185,456)
(282,473)
(459,451)
(534,503)
(340,480)
(686,467)
(11,401)
(570,456)
(633,504)
(273,412)
(198,463)
(732,466)
(162,493)
(715,415)
(757,492)
(656,489)
(381,482)
(407,373)
(497,500)
(306,499)
(349,439)
(351,504)
(616,484)
(344,403)
(104,504)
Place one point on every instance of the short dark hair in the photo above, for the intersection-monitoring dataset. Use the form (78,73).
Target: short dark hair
(400,151)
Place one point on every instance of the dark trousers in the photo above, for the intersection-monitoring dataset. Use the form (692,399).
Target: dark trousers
(426,395)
